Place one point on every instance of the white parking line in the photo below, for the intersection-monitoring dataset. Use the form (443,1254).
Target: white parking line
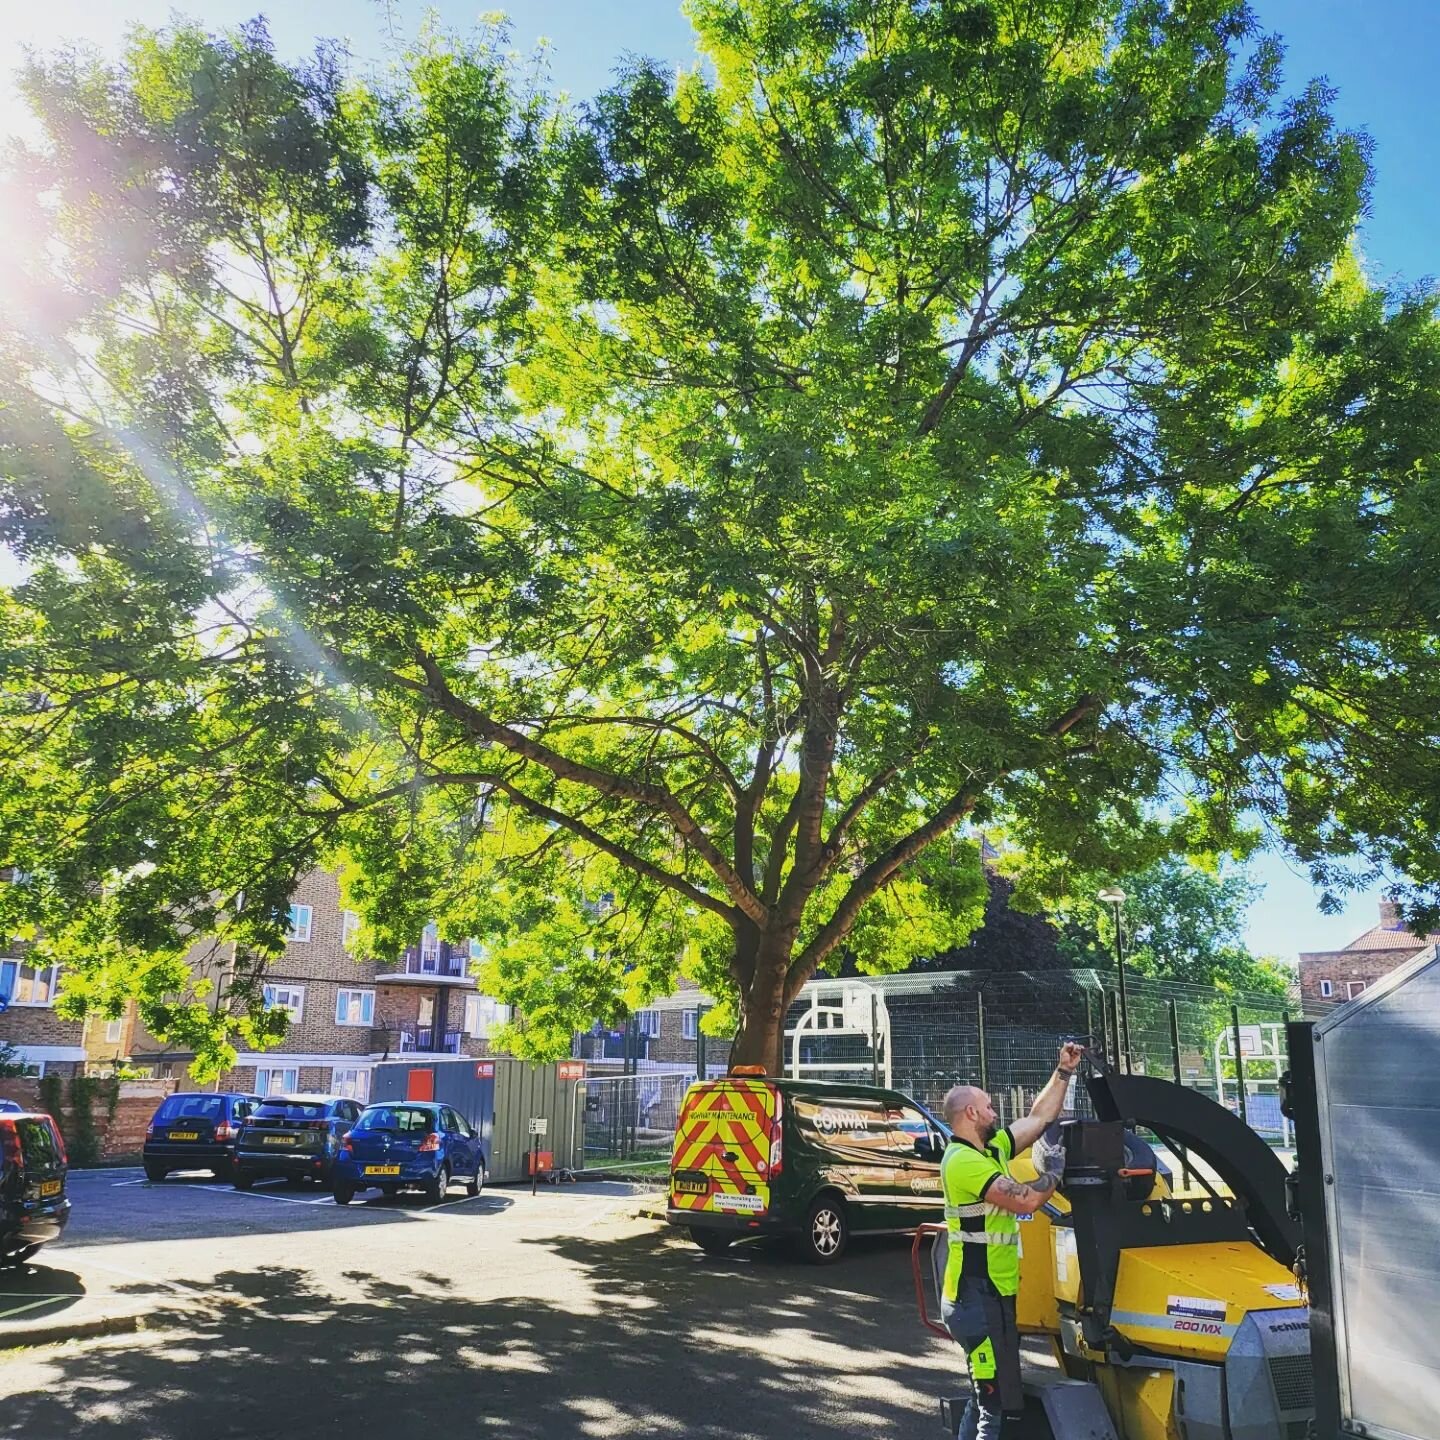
(21,1309)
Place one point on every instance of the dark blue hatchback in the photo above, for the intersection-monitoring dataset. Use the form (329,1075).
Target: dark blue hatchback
(408,1144)
(196,1132)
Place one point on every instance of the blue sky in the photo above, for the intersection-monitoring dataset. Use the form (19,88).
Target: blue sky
(1380,54)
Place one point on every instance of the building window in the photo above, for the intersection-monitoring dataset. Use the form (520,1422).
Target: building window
(286,997)
(1326,989)
(689,1024)
(349,924)
(353,1084)
(301,917)
(277,1080)
(23,984)
(1354,988)
(477,950)
(355,1007)
(483,1014)
(648,1021)
(430,948)
(114,1029)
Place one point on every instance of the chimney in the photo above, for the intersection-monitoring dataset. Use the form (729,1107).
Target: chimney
(1390,916)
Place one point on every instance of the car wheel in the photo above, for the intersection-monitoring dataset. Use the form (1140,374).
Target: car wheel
(475,1186)
(435,1189)
(827,1230)
(712,1242)
(154,1172)
(243,1180)
(343,1194)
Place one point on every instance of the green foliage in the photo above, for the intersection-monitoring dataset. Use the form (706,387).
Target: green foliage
(641,537)
(52,1099)
(12,1067)
(1181,922)
(83,1140)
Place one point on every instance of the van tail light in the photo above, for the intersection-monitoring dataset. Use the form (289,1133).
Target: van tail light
(9,1144)
(777,1131)
(430,1143)
(225,1131)
(150,1131)
(345,1146)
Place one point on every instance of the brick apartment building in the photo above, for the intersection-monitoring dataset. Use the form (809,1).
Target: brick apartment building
(1330,977)
(39,1038)
(345,1014)
(666,1036)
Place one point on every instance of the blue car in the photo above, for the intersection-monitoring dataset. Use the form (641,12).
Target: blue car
(408,1144)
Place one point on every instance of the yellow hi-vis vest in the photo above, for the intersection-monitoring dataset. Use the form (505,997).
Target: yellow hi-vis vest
(984,1240)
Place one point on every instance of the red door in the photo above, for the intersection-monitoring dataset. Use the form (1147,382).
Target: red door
(420,1085)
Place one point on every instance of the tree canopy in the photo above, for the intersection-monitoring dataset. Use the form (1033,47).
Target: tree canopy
(649,534)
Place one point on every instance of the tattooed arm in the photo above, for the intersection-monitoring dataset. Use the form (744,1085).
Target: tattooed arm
(1019,1197)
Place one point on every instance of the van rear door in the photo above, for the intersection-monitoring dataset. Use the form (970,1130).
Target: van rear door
(721,1161)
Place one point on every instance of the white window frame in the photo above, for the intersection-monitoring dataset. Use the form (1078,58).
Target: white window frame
(689,1024)
(483,1013)
(342,1007)
(298,933)
(264,1080)
(13,968)
(349,924)
(351,1081)
(1327,989)
(430,949)
(1355,987)
(647,1022)
(294,1001)
(114,1031)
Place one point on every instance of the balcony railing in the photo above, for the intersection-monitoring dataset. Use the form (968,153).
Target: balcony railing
(431,962)
(428,1038)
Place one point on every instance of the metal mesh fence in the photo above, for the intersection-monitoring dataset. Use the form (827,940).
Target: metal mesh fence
(629,1120)
(925,1033)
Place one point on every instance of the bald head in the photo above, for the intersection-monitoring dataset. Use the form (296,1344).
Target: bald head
(969,1114)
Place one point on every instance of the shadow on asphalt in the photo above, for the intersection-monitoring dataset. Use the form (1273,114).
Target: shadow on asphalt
(197,1207)
(677,1344)
(35,1292)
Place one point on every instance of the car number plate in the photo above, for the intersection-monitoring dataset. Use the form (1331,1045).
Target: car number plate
(184,1134)
(382,1169)
(691,1184)
(50,1187)
(279,1139)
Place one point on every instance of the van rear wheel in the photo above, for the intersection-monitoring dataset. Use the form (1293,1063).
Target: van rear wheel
(712,1242)
(826,1232)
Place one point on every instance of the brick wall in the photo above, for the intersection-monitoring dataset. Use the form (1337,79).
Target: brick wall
(120,1137)
(1340,967)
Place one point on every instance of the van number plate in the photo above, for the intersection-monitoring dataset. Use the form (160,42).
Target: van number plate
(691,1184)
(50,1187)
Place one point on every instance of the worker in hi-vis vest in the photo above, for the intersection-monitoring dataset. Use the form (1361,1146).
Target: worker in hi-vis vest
(982,1203)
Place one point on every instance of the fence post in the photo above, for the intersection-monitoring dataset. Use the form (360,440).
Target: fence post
(699,1043)
(874,1037)
(1104,1026)
(980,1030)
(1089,1021)
(1115,1031)
(1239,1063)
(1175,1039)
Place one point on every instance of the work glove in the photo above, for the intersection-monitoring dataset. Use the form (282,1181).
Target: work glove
(1048,1158)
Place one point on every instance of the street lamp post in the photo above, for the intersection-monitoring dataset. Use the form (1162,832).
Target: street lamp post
(1114,897)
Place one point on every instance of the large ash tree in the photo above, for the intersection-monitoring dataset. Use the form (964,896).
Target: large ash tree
(652,536)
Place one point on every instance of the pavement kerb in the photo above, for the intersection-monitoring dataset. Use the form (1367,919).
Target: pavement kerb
(126,1322)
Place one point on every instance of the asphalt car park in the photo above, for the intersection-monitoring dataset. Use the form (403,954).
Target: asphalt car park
(573,1311)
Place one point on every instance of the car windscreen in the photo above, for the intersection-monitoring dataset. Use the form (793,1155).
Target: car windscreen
(291,1110)
(192,1107)
(38,1142)
(402,1119)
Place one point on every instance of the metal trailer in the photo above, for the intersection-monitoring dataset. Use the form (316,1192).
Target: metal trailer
(1364,1096)
(499,1097)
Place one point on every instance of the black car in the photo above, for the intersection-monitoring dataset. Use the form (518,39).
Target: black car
(297,1136)
(196,1132)
(33,1205)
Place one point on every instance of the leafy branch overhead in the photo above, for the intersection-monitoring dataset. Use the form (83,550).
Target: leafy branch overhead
(649,534)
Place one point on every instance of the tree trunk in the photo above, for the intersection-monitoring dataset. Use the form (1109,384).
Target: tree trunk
(760,1038)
